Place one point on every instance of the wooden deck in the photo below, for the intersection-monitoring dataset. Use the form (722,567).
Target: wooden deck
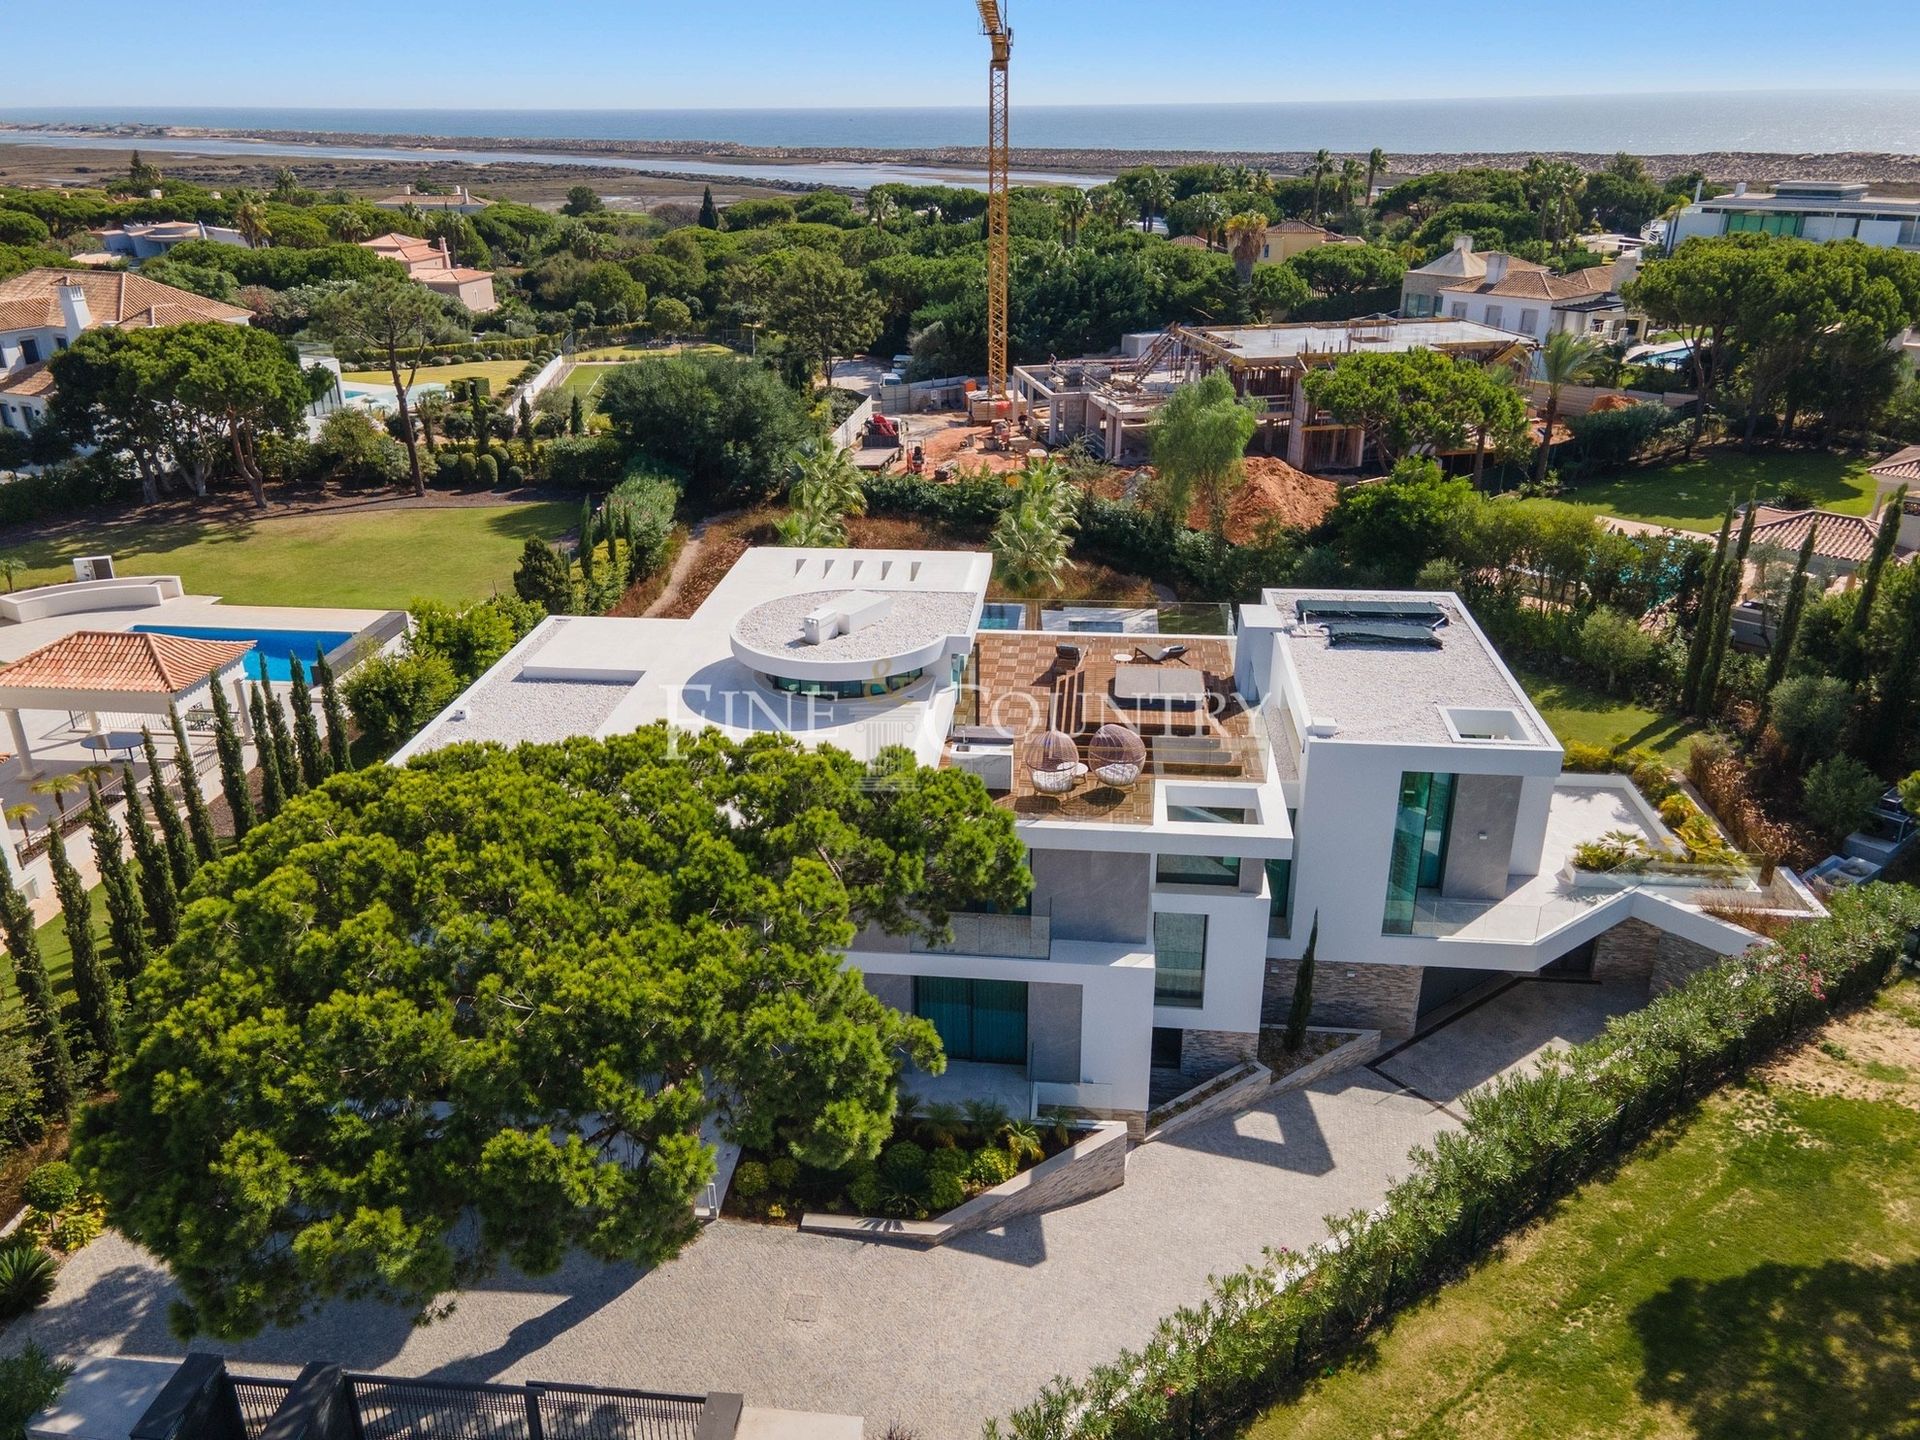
(1026,688)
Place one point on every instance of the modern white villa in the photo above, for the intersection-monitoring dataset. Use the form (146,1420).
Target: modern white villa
(1809,209)
(1191,803)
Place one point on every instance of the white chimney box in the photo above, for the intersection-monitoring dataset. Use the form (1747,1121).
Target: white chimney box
(844,614)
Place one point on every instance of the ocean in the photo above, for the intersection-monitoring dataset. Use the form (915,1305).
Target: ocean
(1800,122)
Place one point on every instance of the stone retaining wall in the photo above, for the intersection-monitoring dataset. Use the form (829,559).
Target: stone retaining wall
(1625,955)
(1087,1168)
(1241,1091)
(1206,1053)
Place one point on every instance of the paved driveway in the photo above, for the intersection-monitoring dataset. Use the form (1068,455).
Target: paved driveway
(1505,1033)
(937,1339)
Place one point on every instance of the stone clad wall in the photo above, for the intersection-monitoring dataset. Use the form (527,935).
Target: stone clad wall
(1206,1053)
(1372,997)
(1625,955)
(1679,961)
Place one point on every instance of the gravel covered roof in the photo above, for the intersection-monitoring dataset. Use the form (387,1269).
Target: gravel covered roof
(914,619)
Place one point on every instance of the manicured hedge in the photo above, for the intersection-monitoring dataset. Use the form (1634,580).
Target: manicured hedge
(1527,1140)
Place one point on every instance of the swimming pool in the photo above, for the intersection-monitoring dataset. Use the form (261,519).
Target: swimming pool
(273,650)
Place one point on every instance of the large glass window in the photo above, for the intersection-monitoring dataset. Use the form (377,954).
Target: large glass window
(1280,901)
(983,1020)
(1179,960)
(1207,814)
(1197,870)
(1419,859)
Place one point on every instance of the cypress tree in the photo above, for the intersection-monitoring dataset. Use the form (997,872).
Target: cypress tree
(1732,576)
(233,762)
(199,819)
(283,752)
(576,416)
(1703,623)
(709,212)
(586,541)
(172,832)
(1784,639)
(1893,707)
(1302,1006)
(480,412)
(272,793)
(52,1060)
(1853,639)
(126,916)
(306,734)
(338,756)
(94,1000)
(157,892)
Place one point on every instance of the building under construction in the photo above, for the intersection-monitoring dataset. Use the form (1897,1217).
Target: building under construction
(1111,401)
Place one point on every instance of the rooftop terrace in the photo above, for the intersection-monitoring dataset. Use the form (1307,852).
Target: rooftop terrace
(1195,729)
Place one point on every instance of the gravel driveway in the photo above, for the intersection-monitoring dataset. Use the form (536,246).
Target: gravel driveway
(940,1340)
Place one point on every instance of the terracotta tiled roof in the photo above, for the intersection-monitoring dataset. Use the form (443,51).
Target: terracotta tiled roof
(123,661)
(1901,465)
(1471,264)
(30,380)
(1537,284)
(1841,537)
(32,300)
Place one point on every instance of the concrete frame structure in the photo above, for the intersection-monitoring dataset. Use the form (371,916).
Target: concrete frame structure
(1168,915)
(1114,401)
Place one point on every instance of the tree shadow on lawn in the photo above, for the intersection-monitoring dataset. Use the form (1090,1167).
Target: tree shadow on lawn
(1785,1351)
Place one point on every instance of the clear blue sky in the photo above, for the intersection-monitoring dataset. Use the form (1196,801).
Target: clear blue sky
(645,54)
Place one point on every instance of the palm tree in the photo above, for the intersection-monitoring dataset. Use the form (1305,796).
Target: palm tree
(10,566)
(1318,172)
(250,219)
(285,184)
(1156,194)
(1074,207)
(825,490)
(430,409)
(1110,202)
(349,227)
(1033,534)
(1349,181)
(1246,232)
(1376,162)
(1210,210)
(1566,359)
(881,208)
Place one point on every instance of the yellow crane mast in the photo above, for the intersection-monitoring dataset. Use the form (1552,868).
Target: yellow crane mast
(993,24)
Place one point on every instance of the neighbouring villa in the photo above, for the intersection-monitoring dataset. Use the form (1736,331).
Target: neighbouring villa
(430,263)
(1196,785)
(44,311)
(1507,293)
(1809,209)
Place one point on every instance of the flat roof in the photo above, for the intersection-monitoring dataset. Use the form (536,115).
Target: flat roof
(1813,202)
(1400,693)
(603,675)
(1280,342)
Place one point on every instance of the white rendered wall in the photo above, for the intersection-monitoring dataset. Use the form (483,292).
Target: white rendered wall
(1236,954)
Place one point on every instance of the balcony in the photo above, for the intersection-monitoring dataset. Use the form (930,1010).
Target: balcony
(1017,937)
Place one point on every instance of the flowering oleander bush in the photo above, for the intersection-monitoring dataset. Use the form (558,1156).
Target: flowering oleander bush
(1527,1139)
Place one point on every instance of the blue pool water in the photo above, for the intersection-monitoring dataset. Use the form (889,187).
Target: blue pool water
(273,650)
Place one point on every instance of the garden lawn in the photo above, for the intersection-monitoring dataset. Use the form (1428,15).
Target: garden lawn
(499,373)
(1577,712)
(648,352)
(585,381)
(1694,494)
(377,560)
(54,949)
(1754,1272)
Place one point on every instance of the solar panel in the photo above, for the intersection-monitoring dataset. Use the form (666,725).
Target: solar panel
(1381,633)
(1410,612)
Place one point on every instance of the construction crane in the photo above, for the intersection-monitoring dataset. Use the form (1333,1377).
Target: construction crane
(994,26)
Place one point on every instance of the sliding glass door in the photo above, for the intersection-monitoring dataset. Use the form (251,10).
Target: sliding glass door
(983,1020)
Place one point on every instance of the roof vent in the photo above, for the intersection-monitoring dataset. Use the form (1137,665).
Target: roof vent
(1380,634)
